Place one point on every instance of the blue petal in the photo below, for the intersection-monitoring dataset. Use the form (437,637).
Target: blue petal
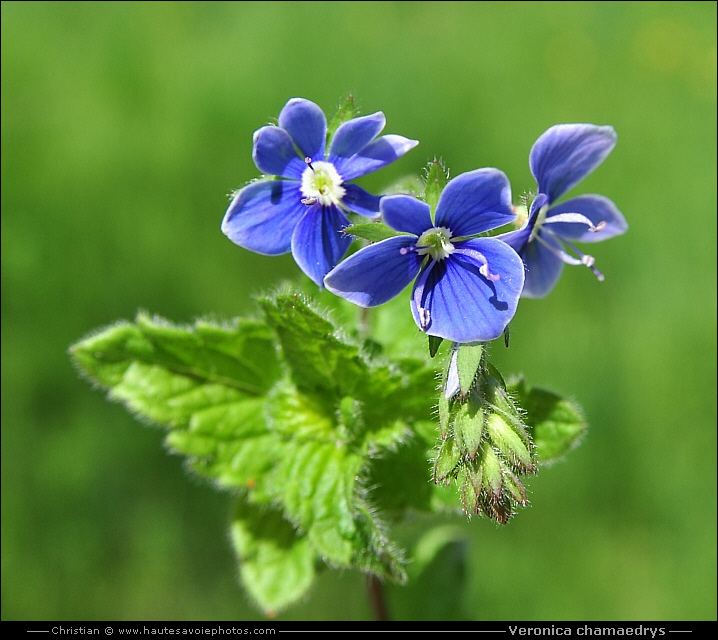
(304,121)
(543,268)
(475,202)
(405,213)
(318,242)
(376,273)
(462,304)
(597,209)
(359,201)
(517,239)
(275,155)
(262,216)
(375,155)
(566,153)
(352,136)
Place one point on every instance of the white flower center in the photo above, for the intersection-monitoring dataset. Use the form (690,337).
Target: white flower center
(436,242)
(321,183)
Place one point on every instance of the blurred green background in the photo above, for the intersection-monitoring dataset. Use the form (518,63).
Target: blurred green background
(124,127)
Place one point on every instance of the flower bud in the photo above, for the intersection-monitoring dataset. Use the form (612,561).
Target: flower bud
(469,425)
(515,450)
(446,460)
(485,447)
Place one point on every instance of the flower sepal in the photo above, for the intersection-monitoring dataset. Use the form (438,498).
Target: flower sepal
(346,111)
(437,177)
(371,231)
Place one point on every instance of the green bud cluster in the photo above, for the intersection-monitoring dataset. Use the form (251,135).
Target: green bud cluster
(485,447)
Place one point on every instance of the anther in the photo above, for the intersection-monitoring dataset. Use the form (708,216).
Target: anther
(309,201)
(598,227)
(424,317)
(308,160)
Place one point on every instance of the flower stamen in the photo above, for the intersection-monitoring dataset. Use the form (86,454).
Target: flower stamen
(576,218)
(322,184)
(435,242)
(587,260)
(583,258)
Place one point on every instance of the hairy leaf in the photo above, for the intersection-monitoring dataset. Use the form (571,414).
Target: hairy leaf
(276,563)
(555,424)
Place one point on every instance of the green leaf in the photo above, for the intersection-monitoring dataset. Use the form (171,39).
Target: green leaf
(345,112)
(276,563)
(324,363)
(555,424)
(300,416)
(317,357)
(315,483)
(300,446)
(318,477)
(372,231)
(241,356)
(437,177)
(398,477)
(205,383)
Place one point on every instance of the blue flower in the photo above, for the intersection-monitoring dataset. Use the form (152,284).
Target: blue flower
(466,287)
(559,159)
(303,208)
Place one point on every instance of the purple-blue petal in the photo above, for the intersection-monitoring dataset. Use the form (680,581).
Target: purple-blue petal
(304,121)
(543,267)
(359,201)
(275,155)
(566,153)
(352,136)
(462,304)
(474,202)
(376,273)
(405,213)
(597,209)
(263,215)
(516,239)
(318,242)
(375,155)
